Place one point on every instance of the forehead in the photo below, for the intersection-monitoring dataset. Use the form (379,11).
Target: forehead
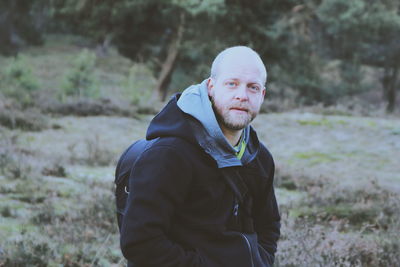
(246,71)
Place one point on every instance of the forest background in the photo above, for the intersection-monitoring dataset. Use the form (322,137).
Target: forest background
(81,79)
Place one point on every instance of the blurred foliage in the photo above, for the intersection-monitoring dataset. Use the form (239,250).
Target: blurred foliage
(365,32)
(27,120)
(80,80)
(21,23)
(178,39)
(19,83)
(138,85)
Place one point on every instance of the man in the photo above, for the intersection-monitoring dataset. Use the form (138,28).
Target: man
(202,194)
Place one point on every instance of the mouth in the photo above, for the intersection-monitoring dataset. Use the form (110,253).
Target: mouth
(239,109)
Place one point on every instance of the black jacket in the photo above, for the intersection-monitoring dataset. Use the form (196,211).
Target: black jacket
(181,212)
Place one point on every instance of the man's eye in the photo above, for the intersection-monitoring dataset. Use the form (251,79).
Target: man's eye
(255,87)
(231,84)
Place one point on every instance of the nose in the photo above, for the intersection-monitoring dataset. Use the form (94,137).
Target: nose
(241,93)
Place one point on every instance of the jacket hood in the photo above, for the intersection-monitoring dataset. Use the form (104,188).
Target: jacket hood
(171,122)
(190,116)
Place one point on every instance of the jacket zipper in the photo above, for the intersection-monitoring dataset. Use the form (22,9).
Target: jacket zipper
(249,247)
(235,213)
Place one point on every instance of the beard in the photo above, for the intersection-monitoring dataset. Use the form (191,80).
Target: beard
(231,121)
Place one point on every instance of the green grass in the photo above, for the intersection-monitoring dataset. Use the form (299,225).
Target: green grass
(322,122)
(314,157)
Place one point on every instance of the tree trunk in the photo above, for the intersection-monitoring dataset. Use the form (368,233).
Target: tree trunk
(102,48)
(390,83)
(168,66)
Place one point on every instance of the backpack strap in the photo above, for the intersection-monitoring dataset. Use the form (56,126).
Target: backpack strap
(123,171)
(123,161)
(128,159)
(232,177)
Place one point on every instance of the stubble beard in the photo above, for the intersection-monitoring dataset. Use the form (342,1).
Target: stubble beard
(229,121)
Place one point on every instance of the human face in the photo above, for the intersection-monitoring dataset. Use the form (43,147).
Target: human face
(236,94)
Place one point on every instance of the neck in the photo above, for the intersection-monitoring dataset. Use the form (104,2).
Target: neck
(232,135)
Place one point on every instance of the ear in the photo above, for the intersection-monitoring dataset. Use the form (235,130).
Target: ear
(264,90)
(210,86)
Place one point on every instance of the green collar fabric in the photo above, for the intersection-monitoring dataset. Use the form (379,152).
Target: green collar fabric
(242,148)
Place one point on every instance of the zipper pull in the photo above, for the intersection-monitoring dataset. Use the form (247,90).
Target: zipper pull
(236,209)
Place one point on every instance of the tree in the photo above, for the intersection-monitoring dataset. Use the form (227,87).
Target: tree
(235,22)
(179,37)
(20,24)
(150,30)
(368,32)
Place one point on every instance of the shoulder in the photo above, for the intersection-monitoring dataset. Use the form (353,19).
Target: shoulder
(265,155)
(176,144)
(171,149)
(264,162)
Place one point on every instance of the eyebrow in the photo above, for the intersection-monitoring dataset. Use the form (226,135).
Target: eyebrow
(256,83)
(236,79)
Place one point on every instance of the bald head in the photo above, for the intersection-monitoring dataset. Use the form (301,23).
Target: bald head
(238,55)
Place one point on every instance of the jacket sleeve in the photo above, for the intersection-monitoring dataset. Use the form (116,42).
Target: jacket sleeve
(158,184)
(267,220)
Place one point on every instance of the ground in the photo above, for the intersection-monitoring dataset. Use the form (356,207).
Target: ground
(337,179)
(346,152)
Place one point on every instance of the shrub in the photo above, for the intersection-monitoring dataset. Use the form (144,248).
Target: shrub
(82,234)
(90,107)
(19,82)
(80,81)
(30,191)
(56,170)
(14,163)
(334,225)
(139,85)
(390,250)
(28,120)
(6,212)
(46,214)
(101,212)
(15,167)
(96,153)
(29,251)
(307,244)
(369,205)
(284,181)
